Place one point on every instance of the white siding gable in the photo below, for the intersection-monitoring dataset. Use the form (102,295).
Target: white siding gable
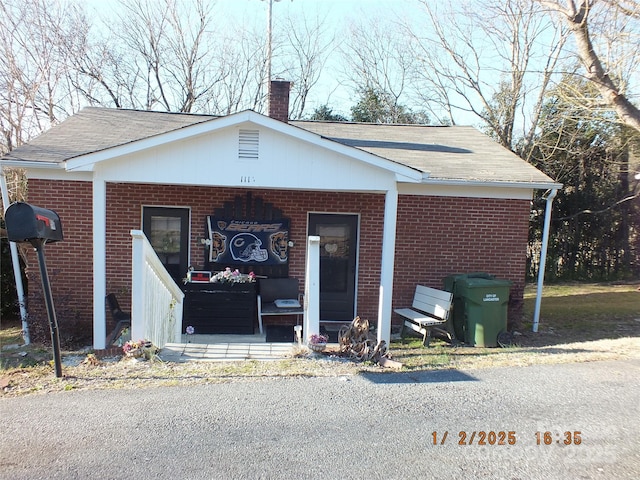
(247,155)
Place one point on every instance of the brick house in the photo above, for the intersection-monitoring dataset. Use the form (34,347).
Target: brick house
(410,204)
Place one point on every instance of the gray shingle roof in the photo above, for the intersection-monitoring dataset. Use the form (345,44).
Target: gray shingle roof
(94,129)
(446,153)
(457,153)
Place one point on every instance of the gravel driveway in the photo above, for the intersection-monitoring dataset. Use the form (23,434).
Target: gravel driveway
(365,426)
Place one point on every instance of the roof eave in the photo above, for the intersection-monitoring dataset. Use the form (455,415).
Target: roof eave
(29,164)
(471,183)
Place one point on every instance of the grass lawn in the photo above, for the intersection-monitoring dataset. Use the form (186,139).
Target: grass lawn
(581,312)
(570,314)
(579,322)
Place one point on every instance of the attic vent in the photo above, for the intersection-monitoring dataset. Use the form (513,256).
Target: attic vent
(248,144)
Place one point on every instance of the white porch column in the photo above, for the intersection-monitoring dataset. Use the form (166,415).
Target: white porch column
(386,268)
(99,263)
(311,319)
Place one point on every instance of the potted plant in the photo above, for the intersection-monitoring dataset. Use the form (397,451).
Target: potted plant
(318,342)
(140,349)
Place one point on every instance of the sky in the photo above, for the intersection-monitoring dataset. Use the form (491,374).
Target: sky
(338,14)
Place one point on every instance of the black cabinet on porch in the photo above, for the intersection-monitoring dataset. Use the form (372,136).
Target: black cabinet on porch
(214,308)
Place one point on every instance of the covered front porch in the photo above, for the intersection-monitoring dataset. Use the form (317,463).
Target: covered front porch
(156,302)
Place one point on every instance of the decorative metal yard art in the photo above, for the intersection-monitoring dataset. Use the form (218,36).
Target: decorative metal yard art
(37,226)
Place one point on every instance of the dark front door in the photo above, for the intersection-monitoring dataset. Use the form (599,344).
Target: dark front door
(338,243)
(168,232)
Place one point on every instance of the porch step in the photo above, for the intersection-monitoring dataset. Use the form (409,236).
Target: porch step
(224,352)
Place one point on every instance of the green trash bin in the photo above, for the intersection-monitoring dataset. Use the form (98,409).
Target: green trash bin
(456,325)
(485,302)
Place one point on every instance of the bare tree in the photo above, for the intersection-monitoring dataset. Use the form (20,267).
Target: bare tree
(180,56)
(165,51)
(34,92)
(241,62)
(172,55)
(303,54)
(376,59)
(486,60)
(183,56)
(579,16)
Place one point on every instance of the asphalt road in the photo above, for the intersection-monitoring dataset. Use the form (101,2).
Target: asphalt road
(374,426)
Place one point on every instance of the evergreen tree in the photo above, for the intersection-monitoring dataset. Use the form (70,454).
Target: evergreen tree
(324,113)
(379,107)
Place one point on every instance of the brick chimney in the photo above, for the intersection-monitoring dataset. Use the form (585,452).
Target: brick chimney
(279,100)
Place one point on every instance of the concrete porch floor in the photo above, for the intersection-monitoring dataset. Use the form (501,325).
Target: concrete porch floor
(224,348)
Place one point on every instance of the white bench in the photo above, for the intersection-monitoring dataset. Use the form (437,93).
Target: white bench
(430,310)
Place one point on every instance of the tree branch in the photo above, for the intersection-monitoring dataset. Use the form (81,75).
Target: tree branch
(577,21)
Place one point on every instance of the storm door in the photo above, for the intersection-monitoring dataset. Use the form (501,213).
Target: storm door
(168,232)
(338,249)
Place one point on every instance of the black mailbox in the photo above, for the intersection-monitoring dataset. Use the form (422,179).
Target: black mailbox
(26,222)
(36,225)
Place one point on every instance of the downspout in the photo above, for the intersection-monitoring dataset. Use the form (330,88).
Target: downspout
(15,260)
(543,257)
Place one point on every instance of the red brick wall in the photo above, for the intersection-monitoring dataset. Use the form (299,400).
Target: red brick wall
(125,202)
(436,236)
(69,263)
(440,236)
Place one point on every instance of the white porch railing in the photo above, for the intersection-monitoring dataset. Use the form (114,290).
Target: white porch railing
(156,299)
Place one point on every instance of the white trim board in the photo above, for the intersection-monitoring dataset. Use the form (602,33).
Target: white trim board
(469,191)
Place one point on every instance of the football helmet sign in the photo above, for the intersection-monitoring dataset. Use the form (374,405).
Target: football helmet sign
(246,247)
(248,242)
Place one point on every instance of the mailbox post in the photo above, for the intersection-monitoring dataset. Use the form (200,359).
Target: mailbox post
(29,224)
